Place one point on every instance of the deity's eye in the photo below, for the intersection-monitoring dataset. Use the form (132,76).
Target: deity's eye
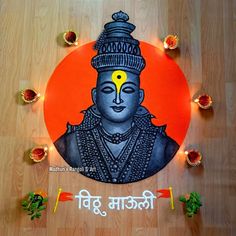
(107,90)
(128,90)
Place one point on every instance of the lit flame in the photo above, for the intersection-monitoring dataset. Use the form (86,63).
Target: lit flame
(166,45)
(196,100)
(186,152)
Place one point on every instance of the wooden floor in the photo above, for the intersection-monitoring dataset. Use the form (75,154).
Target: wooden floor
(31,48)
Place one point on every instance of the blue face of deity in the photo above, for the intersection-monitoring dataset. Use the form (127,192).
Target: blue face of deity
(117,95)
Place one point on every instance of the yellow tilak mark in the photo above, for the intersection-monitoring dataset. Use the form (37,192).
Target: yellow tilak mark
(119,77)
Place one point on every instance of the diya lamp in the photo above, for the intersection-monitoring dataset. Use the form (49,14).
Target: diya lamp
(171,41)
(193,157)
(204,101)
(38,153)
(30,95)
(70,37)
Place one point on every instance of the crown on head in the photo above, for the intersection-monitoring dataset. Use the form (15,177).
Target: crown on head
(117,49)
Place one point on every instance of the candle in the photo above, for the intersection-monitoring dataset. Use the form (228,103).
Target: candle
(204,101)
(171,41)
(70,37)
(38,153)
(193,157)
(29,95)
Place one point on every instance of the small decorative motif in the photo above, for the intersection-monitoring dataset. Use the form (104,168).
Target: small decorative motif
(117,137)
(120,16)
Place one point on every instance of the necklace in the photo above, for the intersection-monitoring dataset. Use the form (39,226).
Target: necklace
(117,137)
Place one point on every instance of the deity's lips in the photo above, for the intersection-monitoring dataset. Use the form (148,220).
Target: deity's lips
(118,108)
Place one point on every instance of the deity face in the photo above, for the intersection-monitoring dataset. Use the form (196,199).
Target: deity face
(117,95)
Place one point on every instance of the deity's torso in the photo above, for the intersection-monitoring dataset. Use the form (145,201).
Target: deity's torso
(147,149)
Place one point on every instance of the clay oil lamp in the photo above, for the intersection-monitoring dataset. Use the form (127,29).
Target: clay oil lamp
(38,153)
(171,42)
(204,101)
(30,95)
(70,37)
(193,157)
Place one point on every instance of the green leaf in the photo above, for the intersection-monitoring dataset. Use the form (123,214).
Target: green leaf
(37,204)
(182,199)
(188,204)
(24,203)
(32,217)
(34,205)
(31,194)
(196,195)
(190,214)
(41,208)
(198,204)
(189,209)
(37,215)
(45,200)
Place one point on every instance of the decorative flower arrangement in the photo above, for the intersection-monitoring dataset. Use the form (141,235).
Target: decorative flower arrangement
(192,203)
(35,203)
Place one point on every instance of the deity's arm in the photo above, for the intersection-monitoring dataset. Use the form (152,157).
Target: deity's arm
(171,148)
(66,145)
(163,151)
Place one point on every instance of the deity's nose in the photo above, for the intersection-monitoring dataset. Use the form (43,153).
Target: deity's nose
(118,99)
